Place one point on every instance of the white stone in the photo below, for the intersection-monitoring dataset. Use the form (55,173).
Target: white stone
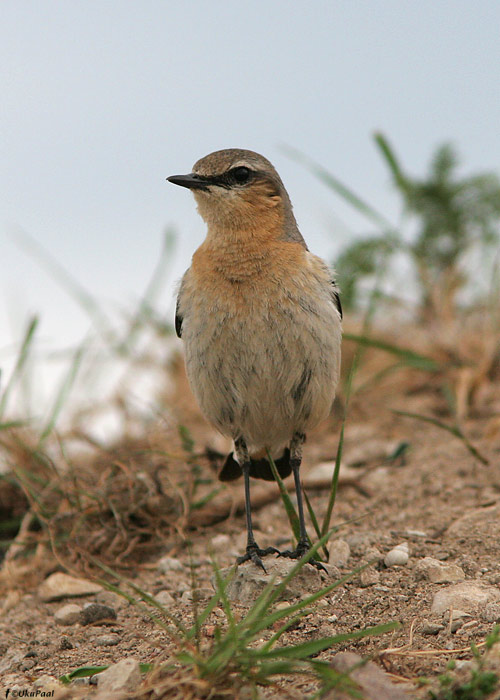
(164,598)
(220,542)
(398,556)
(68,615)
(467,596)
(125,675)
(60,585)
(107,640)
(416,533)
(168,564)
(340,552)
(47,683)
(454,615)
(437,571)
(249,581)
(322,474)
(492,613)
(369,577)
(373,683)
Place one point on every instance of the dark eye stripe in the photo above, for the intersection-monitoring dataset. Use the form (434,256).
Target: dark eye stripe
(232,178)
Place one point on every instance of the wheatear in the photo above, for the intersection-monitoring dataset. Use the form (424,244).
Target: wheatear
(260,317)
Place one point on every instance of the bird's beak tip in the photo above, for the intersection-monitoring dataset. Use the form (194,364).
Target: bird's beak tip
(191,181)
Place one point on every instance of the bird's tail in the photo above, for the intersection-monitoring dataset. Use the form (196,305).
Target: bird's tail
(259,468)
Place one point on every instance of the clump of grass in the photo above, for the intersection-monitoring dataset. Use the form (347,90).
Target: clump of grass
(121,503)
(235,657)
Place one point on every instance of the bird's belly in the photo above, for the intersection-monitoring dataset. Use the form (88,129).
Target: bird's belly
(264,376)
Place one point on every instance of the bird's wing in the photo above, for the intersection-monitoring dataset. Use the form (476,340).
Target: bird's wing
(178,320)
(178,316)
(336,297)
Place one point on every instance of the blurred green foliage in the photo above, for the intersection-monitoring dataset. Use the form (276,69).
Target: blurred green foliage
(445,218)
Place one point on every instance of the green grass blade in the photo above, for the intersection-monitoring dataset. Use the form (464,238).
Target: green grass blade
(339,188)
(219,595)
(220,587)
(453,429)
(275,668)
(82,672)
(314,521)
(20,362)
(139,604)
(409,357)
(302,651)
(86,671)
(12,424)
(278,615)
(144,594)
(256,618)
(335,480)
(390,158)
(63,393)
(287,502)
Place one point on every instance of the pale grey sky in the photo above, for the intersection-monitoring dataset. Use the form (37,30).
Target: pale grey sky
(102,100)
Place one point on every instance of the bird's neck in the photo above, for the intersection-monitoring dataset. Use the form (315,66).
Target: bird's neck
(239,255)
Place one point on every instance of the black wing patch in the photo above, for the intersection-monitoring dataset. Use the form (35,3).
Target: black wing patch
(178,320)
(336,298)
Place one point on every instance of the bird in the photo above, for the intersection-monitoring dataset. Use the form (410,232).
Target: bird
(260,320)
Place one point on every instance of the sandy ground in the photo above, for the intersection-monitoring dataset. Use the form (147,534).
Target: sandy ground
(437,498)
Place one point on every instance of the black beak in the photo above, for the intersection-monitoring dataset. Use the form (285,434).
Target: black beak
(191,181)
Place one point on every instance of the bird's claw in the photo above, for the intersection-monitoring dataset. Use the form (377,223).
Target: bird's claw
(254,553)
(299,552)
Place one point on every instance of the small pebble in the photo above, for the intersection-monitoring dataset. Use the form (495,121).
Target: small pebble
(398,556)
(165,598)
(372,554)
(95,612)
(107,640)
(436,571)
(27,665)
(455,615)
(369,577)
(416,533)
(60,585)
(432,628)
(65,644)
(47,683)
(68,615)
(339,552)
(491,612)
(123,676)
(220,542)
(168,564)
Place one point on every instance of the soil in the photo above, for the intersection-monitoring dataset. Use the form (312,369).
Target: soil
(418,497)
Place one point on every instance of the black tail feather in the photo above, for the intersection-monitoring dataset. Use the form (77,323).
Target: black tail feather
(259,468)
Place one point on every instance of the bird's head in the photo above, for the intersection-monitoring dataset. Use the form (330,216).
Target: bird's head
(236,190)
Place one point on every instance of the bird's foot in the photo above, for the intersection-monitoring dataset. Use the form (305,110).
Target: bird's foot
(301,549)
(254,553)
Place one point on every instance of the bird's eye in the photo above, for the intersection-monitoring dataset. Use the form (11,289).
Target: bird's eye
(241,174)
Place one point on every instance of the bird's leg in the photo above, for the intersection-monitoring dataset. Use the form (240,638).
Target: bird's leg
(253,551)
(303,543)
